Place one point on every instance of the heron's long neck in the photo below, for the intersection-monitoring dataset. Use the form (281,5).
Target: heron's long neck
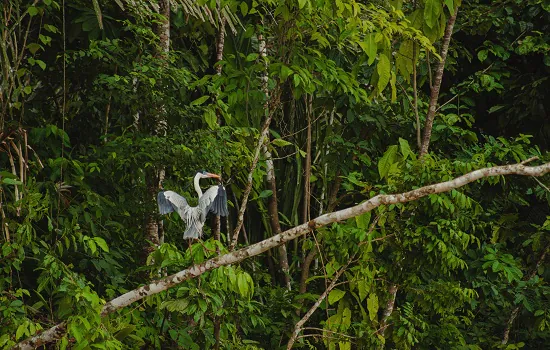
(197,186)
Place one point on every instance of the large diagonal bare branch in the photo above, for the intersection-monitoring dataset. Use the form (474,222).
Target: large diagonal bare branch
(163,284)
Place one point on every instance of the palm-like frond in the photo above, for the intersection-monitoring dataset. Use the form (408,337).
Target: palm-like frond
(190,7)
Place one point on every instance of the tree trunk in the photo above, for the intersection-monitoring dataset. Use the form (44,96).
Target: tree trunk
(437,84)
(155,177)
(273,210)
(388,310)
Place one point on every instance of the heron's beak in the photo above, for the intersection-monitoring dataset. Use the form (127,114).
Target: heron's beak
(215,176)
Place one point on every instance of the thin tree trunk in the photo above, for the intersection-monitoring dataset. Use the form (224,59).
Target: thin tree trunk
(155,177)
(415,101)
(307,166)
(515,311)
(220,41)
(437,84)
(261,141)
(162,284)
(273,210)
(388,310)
(303,320)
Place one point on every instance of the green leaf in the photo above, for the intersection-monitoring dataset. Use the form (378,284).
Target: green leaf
(363,287)
(372,306)
(199,101)
(33,47)
(33,11)
(210,118)
(9,181)
(286,72)
(302,3)
(251,57)
(495,108)
(101,243)
(385,163)
(383,68)
(432,10)
(41,64)
(363,220)
(124,332)
(281,142)
(370,47)
(450,5)
(482,55)
(244,8)
(266,193)
(243,286)
(405,148)
(335,295)
(21,330)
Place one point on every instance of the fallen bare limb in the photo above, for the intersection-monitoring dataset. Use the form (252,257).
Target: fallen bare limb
(158,286)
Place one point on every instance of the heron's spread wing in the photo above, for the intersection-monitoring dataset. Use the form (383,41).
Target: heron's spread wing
(214,200)
(168,201)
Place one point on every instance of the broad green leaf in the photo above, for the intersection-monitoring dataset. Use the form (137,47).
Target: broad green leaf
(266,193)
(41,63)
(199,101)
(383,68)
(344,345)
(210,118)
(33,47)
(450,5)
(21,331)
(393,87)
(101,243)
(385,163)
(363,220)
(335,295)
(302,3)
(33,11)
(370,47)
(9,181)
(281,142)
(482,55)
(286,72)
(363,288)
(405,148)
(243,286)
(346,319)
(432,10)
(244,8)
(124,332)
(251,57)
(372,306)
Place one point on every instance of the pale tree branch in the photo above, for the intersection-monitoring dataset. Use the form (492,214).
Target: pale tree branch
(303,320)
(437,84)
(165,283)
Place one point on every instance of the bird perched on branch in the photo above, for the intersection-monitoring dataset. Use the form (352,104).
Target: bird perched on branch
(213,200)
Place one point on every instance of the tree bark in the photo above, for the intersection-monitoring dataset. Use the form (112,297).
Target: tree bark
(155,177)
(388,310)
(307,166)
(303,320)
(165,283)
(273,210)
(437,84)
(261,141)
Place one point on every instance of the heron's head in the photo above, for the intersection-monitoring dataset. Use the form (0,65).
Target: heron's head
(205,174)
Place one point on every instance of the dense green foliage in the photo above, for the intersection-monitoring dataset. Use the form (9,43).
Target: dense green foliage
(83,85)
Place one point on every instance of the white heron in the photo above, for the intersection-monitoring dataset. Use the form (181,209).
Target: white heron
(213,200)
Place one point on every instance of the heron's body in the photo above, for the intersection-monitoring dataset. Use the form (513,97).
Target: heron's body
(213,200)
